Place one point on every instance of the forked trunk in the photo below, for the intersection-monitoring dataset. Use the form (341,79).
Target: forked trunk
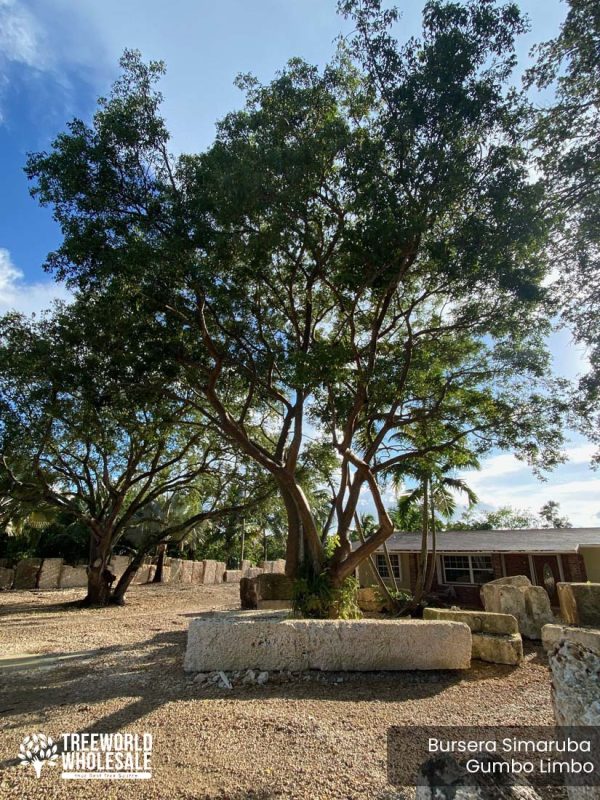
(118,596)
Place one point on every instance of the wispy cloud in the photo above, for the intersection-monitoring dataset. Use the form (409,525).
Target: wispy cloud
(16,294)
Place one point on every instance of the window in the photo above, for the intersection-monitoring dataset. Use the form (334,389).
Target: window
(382,567)
(468,569)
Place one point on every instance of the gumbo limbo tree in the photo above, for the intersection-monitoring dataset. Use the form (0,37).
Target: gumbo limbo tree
(359,252)
(79,435)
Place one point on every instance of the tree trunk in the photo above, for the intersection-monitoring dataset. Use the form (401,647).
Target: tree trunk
(100,578)
(293,546)
(160,562)
(422,566)
(118,596)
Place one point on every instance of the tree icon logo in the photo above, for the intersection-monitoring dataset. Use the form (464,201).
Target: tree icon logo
(38,750)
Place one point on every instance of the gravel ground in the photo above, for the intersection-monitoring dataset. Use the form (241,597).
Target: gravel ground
(120,669)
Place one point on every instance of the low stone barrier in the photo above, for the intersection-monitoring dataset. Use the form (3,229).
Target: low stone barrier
(210,571)
(26,573)
(73,577)
(272,641)
(220,570)
(118,565)
(197,571)
(176,570)
(187,570)
(49,575)
(516,596)
(579,603)
(233,575)
(7,577)
(495,637)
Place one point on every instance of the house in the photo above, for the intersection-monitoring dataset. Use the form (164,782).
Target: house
(467,559)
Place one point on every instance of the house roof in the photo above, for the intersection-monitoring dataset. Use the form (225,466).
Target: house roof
(528,540)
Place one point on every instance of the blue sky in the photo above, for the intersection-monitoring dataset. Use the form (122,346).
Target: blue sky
(57,57)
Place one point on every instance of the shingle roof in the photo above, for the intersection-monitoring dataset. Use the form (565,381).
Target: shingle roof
(531,540)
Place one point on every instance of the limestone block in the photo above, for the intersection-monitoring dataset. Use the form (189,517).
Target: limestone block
(575,667)
(118,565)
(73,577)
(498,648)
(26,573)
(210,571)
(166,574)
(7,577)
(49,575)
(273,586)
(220,569)
(187,569)
(248,595)
(443,777)
(529,604)
(553,635)
(271,641)
(478,621)
(279,566)
(254,572)
(369,599)
(245,566)
(198,572)
(233,576)
(580,603)
(145,574)
(176,570)
(266,566)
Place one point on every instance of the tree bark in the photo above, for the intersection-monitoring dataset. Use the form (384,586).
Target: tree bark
(160,562)
(100,578)
(118,596)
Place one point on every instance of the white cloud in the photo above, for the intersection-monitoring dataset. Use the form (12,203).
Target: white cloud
(20,36)
(28,298)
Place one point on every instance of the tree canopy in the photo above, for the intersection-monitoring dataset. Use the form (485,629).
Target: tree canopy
(357,262)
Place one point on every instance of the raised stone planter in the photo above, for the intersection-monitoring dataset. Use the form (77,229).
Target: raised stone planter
(26,573)
(515,595)
(580,603)
(495,637)
(272,641)
(49,575)
(73,577)
(7,577)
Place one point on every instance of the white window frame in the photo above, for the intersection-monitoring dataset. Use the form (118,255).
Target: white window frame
(468,556)
(393,556)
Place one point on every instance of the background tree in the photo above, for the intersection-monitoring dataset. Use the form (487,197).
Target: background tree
(79,435)
(361,249)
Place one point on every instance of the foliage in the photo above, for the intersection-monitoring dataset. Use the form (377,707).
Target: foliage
(567,141)
(507,518)
(315,597)
(361,250)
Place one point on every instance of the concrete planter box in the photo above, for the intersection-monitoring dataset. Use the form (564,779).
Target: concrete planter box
(273,641)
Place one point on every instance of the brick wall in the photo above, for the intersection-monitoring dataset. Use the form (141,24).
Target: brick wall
(574,568)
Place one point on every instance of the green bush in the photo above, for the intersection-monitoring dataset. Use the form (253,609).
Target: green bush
(314,597)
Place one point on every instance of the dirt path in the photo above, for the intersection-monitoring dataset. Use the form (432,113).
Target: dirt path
(120,669)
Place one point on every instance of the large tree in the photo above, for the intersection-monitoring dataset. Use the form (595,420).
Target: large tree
(361,250)
(78,434)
